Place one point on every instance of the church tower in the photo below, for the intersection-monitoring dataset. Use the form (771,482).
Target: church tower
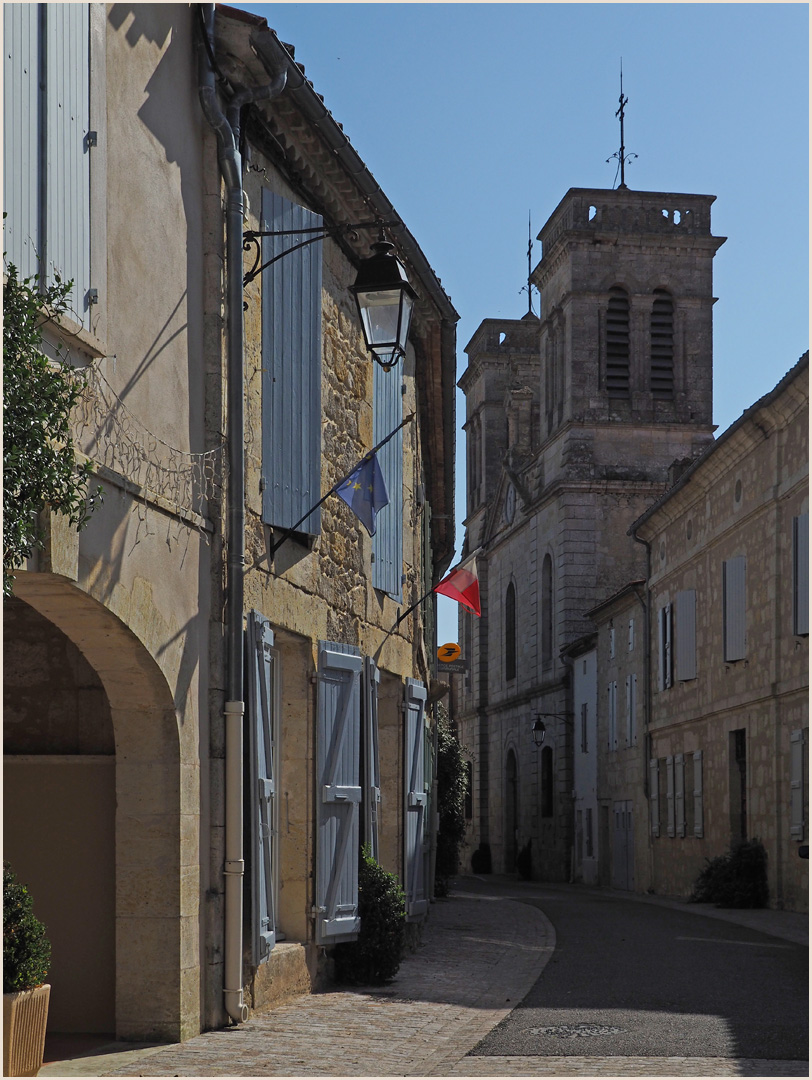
(575,423)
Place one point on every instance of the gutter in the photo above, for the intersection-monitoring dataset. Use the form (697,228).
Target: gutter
(226,129)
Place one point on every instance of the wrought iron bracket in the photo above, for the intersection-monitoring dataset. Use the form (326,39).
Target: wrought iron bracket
(254,237)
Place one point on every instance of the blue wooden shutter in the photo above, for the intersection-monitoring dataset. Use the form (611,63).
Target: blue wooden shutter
(734,600)
(679,793)
(796,746)
(686,634)
(387,543)
(372,776)
(416,800)
(21,131)
(67,176)
(338,792)
(669,795)
(261,689)
(654,795)
(291,368)
(699,823)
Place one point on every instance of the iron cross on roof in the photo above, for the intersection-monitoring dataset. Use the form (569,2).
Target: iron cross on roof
(620,155)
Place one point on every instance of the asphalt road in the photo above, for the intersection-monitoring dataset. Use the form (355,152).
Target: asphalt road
(629,979)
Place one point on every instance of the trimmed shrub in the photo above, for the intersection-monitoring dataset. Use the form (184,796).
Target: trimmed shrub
(374,958)
(26,949)
(737,879)
(452,787)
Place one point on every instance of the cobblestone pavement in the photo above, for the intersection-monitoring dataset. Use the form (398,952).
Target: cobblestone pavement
(479,956)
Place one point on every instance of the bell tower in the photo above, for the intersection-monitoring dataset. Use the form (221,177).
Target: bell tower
(626,310)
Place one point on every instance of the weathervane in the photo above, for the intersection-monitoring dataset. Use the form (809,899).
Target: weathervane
(620,155)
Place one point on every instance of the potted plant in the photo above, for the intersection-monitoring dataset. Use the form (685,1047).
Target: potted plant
(26,957)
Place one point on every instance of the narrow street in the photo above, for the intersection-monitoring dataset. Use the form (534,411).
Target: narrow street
(528,979)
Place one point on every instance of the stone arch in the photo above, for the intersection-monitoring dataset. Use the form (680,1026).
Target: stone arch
(156,857)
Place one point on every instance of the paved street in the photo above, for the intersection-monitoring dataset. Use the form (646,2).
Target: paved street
(527,979)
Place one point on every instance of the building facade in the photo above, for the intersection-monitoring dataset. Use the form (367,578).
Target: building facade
(130,757)
(602,394)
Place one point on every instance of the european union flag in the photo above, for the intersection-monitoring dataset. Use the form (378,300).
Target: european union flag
(364,491)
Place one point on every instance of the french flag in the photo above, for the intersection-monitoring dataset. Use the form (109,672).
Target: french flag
(462,585)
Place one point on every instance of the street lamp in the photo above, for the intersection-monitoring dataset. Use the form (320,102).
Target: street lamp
(385,301)
(539,729)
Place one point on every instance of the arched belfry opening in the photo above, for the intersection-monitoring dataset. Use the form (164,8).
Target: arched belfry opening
(93,812)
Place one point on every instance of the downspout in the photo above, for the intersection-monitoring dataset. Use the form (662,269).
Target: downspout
(228,156)
(646,605)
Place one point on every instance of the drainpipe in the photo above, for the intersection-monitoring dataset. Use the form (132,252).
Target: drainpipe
(228,156)
(646,605)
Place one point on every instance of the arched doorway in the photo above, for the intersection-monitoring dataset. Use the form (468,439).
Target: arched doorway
(511,812)
(106,746)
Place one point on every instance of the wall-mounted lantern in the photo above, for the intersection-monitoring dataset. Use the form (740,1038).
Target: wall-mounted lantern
(385,301)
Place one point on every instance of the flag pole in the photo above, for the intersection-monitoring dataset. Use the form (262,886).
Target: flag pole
(287,533)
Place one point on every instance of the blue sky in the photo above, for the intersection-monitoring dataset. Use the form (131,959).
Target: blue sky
(471,116)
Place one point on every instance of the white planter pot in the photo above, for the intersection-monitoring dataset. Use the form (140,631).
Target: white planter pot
(25,1015)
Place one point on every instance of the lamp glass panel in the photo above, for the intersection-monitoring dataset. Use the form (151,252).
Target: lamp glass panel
(406,318)
(379,315)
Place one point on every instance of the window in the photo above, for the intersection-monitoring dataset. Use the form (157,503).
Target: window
(510,632)
(590,847)
(469,790)
(547,782)
(387,543)
(679,794)
(617,344)
(664,647)
(738,784)
(800,574)
(686,634)
(662,346)
(291,369)
(611,642)
(654,795)
(47,152)
(797,757)
(631,710)
(733,603)
(698,797)
(631,634)
(584,729)
(669,796)
(547,611)
(612,713)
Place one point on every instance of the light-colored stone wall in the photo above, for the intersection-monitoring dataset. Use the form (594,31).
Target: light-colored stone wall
(740,501)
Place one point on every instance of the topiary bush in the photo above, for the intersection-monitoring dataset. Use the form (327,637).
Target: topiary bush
(737,879)
(452,787)
(374,958)
(26,949)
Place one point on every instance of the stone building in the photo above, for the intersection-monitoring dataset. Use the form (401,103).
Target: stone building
(213,411)
(728,596)
(573,422)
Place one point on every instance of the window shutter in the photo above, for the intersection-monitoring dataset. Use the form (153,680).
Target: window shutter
(669,795)
(654,795)
(631,709)
(611,642)
(612,710)
(733,588)
(372,777)
(291,368)
(679,793)
(22,195)
(698,799)
(67,179)
(686,634)
(617,344)
(261,689)
(338,793)
(664,625)
(631,634)
(416,800)
(800,574)
(387,543)
(662,346)
(796,745)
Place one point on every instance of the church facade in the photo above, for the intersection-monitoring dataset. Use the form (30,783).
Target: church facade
(576,422)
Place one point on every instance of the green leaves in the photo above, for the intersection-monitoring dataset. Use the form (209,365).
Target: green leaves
(26,949)
(39,462)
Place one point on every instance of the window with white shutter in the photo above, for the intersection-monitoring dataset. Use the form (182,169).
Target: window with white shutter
(797,828)
(664,647)
(734,608)
(387,543)
(654,795)
(669,794)
(631,710)
(679,793)
(372,774)
(686,634)
(698,796)
(800,574)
